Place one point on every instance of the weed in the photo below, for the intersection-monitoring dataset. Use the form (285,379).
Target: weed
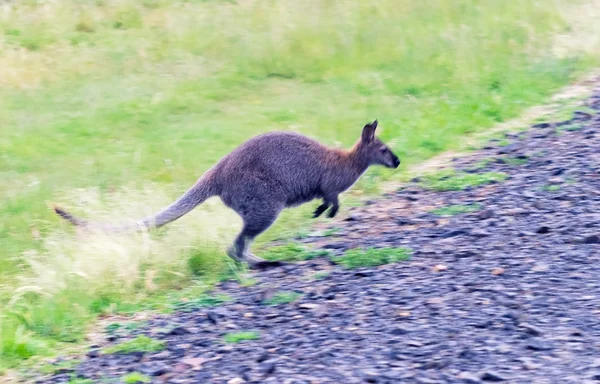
(139,344)
(80,381)
(282,297)
(482,164)
(515,161)
(451,180)
(201,302)
(95,87)
(135,378)
(551,188)
(292,252)
(320,275)
(60,367)
(452,210)
(238,337)
(332,231)
(371,257)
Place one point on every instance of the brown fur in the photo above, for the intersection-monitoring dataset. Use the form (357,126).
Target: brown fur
(269,173)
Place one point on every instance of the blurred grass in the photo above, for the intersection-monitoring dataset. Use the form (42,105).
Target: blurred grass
(101,94)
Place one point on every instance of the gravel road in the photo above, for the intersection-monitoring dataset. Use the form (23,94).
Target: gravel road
(507,291)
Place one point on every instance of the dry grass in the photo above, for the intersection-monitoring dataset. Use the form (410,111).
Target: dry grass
(132,262)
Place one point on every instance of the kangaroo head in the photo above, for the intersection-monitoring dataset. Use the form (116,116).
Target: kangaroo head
(373,150)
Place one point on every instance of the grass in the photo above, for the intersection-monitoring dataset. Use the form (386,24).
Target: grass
(115,107)
(551,188)
(64,366)
(201,302)
(452,210)
(372,257)
(515,161)
(238,337)
(135,378)
(282,297)
(320,275)
(139,344)
(292,252)
(452,180)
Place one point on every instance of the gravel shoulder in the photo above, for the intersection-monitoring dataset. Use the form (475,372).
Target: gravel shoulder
(502,286)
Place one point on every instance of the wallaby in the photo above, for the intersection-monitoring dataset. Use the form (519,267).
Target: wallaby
(268,173)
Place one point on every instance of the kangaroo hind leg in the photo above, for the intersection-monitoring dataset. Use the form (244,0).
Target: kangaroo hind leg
(256,221)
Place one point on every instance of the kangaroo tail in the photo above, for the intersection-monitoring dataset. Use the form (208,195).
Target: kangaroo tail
(194,196)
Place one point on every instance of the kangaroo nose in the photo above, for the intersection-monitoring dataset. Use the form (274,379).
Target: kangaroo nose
(396,162)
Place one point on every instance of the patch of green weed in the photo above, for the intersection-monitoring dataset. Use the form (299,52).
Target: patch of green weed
(238,337)
(283,297)
(452,210)
(551,188)
(139,344)
(292,252)
(320,275)
(515,161)
(451,180)
(372,257)
(135,378)
(203,301)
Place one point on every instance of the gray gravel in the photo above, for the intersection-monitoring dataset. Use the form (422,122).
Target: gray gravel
(509,293)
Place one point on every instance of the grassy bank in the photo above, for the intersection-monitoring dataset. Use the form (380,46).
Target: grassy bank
(114,107)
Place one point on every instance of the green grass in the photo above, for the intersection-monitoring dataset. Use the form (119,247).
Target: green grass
(139,344)
(320,275)
(292,252)
(372,257)
(551,188)
(451,180)
(97,95)
(238,337)
(282,297)
(515,161)
(64,366)
(136,378)
(201,302)
(452,210)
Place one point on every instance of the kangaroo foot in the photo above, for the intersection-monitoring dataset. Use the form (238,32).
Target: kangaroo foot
(257,263)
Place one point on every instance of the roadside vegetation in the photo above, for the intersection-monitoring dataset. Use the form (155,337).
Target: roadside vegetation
(113,108)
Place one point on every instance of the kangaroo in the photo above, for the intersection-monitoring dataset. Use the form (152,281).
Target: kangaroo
(268,173)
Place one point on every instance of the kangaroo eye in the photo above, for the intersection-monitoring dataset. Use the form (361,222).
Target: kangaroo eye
(383,150)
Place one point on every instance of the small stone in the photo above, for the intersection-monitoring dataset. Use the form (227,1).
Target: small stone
(542,230)
(439,268)
(469,378)
(539,345)
(237,380)
(486,214)
(262,357)
(531,329)
(529,365)
(435,301)
(404,313)
(492,376)
(498,271)
(267,368)
(540,267)
(399,331)
(178,331)
(456,232)
(248,315)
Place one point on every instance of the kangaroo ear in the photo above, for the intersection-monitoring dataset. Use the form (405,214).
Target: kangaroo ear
(368,133)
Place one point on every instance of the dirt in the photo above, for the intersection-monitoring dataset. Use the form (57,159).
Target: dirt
(507,293)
